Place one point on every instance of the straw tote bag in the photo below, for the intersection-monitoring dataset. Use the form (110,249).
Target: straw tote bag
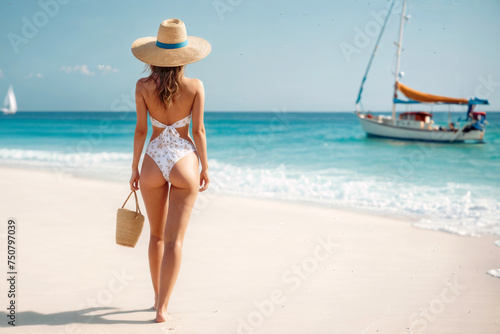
(129,224)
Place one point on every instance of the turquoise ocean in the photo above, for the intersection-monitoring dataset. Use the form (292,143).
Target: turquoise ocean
(320,158)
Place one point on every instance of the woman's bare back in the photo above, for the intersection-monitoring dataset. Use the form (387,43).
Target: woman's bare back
(181,106)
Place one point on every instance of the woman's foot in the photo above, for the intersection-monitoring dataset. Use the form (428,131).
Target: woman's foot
(161,316)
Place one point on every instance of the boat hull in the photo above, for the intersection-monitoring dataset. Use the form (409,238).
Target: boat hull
(386,128)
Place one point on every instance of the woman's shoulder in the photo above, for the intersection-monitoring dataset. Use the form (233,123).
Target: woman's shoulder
(193,84)
(144,85)
(143,82)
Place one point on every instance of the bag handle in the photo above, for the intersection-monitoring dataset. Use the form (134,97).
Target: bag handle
(137,209)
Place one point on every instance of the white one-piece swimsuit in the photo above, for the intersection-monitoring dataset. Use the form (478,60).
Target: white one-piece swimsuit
(168,148)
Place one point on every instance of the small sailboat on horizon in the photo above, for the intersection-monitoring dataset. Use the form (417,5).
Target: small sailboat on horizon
(418,125)
(10,103)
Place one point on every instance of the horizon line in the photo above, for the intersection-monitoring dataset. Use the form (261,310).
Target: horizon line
(262,111)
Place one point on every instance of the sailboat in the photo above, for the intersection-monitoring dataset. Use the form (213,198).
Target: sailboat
(418,125)
(10,104)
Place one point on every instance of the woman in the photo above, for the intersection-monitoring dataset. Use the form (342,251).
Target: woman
(169,179)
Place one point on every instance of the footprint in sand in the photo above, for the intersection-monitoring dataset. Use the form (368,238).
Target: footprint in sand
(168,329)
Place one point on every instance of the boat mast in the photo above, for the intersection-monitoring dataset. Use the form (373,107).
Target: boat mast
(358,100)
(399,44)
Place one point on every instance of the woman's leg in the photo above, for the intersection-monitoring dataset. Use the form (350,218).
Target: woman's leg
(184,178)
(154,190)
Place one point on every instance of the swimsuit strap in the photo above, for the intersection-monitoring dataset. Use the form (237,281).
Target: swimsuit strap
(156,123)
(183,122)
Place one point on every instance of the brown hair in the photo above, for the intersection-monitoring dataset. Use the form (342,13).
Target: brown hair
(168,82)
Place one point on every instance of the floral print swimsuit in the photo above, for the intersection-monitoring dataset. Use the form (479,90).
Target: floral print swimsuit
(168,148)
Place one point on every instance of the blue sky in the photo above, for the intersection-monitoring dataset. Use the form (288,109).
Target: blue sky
(267,55)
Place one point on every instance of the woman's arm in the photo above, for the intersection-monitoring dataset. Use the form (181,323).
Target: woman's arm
(141,132)
(199,136)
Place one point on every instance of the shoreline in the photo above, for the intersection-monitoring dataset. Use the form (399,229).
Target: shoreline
(249,266)
(411,219)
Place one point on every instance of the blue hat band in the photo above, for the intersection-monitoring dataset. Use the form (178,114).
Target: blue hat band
(171,46)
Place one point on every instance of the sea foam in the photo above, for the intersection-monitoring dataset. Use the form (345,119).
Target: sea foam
(463,209)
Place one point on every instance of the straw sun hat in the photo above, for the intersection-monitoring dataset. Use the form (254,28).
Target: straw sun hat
(172,47)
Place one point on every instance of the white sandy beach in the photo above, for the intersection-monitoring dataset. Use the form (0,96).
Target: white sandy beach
(249,266)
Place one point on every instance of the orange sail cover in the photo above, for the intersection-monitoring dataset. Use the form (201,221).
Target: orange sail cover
(415,95)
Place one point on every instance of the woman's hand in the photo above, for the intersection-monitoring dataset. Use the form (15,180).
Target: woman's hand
(204,180)
(134,180)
